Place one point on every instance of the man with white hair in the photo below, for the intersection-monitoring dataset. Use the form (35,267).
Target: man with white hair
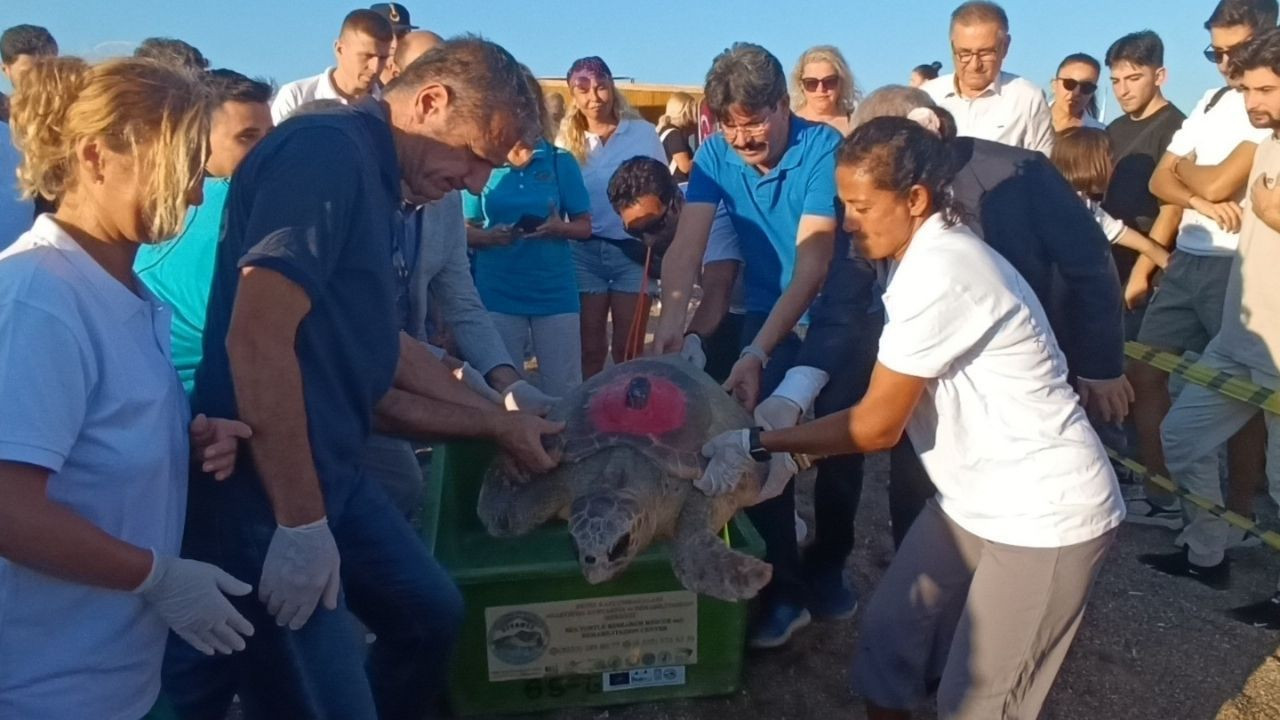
(987,102)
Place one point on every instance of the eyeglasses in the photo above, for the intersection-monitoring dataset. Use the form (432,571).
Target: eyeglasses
(1217,55)
(964,57)
(751,130)
(811,84)
(1070,85)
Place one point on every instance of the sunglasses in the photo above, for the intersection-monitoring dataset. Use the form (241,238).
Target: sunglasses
(654,227)
(1217,55)
(811,84)
(1086,87)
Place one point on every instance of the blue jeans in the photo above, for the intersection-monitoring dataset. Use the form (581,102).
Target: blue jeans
(325,670)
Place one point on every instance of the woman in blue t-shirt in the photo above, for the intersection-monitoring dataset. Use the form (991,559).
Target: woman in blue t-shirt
(520,227)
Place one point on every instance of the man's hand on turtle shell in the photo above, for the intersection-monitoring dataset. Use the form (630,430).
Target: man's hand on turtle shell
(524,397)
(744,381)
(520,434)
(730,455)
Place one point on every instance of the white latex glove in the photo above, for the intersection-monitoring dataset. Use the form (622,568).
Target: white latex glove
(189,596)
(523,397)
(693,352)
(473,379)
(730,457)
(774,413)
(301,569)
(801,385)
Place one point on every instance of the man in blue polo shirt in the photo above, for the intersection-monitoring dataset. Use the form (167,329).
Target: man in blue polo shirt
(775,174)
(302,344)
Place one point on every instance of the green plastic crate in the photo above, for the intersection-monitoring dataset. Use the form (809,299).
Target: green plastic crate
(542,568)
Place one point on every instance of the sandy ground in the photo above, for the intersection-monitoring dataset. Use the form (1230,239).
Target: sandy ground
(1151,647)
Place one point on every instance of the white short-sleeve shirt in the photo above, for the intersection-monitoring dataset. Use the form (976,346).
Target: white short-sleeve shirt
(1212,136)
(88,391)
(633,137)
(294,95)
(1111,227)
(998,428)
(1012,111)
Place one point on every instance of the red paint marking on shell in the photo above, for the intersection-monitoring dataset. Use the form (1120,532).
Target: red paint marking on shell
(664,411)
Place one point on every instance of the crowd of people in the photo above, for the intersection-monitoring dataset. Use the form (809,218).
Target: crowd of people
(230,313)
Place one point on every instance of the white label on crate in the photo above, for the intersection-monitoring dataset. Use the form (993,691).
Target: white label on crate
(592,635)
(644,678)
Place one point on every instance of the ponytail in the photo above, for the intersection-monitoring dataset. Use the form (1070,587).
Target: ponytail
(899,153)
(38,118)
(156,115)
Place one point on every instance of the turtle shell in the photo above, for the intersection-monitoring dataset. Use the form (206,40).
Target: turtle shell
(664,407)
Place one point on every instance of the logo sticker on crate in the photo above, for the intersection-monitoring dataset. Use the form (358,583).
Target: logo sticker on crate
(645,678)
(592,635)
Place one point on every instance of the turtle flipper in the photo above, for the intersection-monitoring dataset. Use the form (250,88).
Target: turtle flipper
(702,561)
(704,564)
(512,504)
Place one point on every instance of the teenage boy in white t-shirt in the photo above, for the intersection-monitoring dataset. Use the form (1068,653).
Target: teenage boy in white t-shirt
(1002,560)
(1204,171)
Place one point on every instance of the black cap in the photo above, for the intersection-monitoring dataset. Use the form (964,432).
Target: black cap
(396,14)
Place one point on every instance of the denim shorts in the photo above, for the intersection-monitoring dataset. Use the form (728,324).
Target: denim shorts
(603,268)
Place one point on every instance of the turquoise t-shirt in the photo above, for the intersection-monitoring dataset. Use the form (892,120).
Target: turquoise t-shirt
(180,272)
(530,276)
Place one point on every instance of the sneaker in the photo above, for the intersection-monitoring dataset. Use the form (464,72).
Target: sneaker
(1177,564)
(830,597)
(1264,615)
(1141,511)
(777,624)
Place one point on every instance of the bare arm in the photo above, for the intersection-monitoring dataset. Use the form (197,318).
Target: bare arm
(577,227)
(1165,184)
(717,287)
(407,415)
(875,423)
(815,242)
(1140,243)
(680,268)
(684,162)
(268,384)
(419,372)
(48,537)
(1221,182)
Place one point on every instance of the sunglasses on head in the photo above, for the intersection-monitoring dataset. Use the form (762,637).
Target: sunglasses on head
(811,84)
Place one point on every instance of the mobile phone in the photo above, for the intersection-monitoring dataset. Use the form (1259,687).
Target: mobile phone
(530,223)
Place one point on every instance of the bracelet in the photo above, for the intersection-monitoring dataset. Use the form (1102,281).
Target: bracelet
(755,351)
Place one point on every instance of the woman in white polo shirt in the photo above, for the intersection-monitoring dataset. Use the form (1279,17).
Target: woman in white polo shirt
(998,567)
(94,427)
(601,131)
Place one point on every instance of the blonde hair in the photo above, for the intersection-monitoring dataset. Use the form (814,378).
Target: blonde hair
(157,115)
(847,102)
(681,112)
(1083,156)
(547,131)
(573,128)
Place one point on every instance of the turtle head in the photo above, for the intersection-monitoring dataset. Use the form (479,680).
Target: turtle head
(609,528)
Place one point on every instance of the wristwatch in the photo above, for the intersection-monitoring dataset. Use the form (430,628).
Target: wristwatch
(754,448)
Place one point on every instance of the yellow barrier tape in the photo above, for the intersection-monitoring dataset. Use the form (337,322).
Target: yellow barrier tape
(1230,385)
(1271,538)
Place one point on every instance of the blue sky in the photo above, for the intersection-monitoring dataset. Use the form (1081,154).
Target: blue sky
(665,41)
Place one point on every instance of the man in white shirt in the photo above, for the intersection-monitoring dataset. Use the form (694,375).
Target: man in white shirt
(360,53)
(1204,171)
(986,102)
(1246,346)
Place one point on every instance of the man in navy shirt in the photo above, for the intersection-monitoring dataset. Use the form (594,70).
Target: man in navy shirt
(302,343)
(775,174)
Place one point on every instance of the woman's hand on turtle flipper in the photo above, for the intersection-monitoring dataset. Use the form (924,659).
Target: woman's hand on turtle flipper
(520,434)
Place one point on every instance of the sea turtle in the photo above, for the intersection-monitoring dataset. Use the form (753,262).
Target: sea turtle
(629,454)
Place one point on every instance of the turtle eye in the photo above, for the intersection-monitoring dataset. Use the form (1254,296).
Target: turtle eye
(620,548)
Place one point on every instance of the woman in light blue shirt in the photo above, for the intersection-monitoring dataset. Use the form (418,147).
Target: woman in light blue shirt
(94,433)
(521,227)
